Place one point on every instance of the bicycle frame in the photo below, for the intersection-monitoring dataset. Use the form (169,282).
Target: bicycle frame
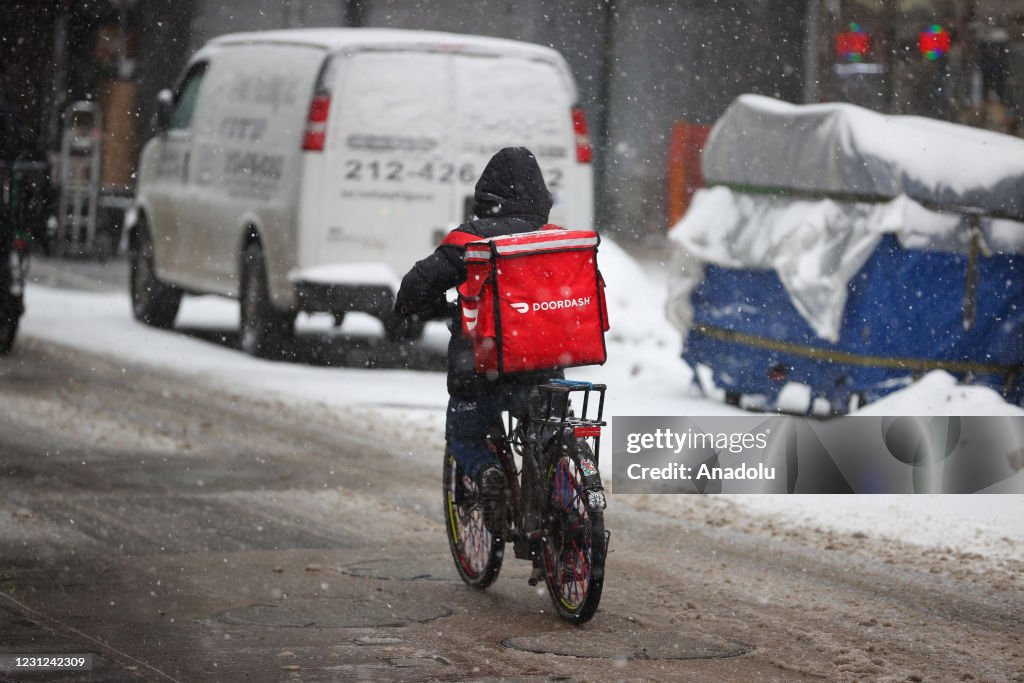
(550,420)
(554,508)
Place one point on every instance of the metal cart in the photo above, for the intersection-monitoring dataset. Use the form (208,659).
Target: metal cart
(79,180)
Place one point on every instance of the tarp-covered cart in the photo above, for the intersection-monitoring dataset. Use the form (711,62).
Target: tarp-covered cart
(850,252)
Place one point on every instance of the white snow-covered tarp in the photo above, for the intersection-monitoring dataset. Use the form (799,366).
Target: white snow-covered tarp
(842,149)
(808,190)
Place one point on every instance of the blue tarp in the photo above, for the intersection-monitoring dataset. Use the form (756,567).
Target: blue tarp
(904,316)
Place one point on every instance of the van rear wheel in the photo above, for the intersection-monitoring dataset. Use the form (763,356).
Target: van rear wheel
(153,302)
(264,330)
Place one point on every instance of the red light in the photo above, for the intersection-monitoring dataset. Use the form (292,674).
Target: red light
(316,124)
(853,45)
(20,244)
(933,42)
(584,151)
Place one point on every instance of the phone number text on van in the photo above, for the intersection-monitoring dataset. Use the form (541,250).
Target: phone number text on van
(358,170)
(396,171)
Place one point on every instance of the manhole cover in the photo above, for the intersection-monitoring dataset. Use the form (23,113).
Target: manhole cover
(334,614)
(626,645)
(430,568)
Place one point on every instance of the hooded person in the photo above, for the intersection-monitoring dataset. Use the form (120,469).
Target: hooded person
(510,197)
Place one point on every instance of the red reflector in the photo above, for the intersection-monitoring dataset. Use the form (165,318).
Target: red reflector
(316,124)
(586,431)
(584,151)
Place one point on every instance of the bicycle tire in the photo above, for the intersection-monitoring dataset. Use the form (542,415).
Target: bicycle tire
(477,553)
(8,331)
(575,544)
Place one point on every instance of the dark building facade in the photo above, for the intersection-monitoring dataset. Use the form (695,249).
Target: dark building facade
(641,65)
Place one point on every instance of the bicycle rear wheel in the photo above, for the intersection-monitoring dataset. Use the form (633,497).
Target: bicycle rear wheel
(575,543)
(477,552)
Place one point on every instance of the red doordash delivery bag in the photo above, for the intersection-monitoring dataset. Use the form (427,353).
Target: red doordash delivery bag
(534,301)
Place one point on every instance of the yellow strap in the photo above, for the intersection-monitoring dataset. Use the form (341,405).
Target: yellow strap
(832,356)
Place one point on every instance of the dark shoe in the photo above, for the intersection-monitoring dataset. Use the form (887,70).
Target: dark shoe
(490,483)
(538,574)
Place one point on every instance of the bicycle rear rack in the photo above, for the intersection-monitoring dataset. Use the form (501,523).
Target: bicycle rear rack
(556,413)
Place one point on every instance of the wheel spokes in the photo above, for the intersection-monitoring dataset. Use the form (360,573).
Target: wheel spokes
(476,546)
(569,548)
(571,572)
(472,538)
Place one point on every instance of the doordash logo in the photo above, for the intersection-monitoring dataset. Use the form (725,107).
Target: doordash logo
(551,305)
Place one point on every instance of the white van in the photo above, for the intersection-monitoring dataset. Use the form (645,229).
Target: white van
(307,170)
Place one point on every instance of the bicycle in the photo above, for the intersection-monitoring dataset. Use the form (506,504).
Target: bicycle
(554,514)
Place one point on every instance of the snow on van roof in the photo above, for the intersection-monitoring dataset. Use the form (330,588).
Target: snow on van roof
(337,38)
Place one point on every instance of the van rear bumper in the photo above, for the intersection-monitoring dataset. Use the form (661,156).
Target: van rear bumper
(320,297)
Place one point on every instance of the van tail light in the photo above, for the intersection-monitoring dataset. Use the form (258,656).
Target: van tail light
(584,150)
(316,124)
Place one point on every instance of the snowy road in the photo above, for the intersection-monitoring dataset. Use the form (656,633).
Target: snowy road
(187,513)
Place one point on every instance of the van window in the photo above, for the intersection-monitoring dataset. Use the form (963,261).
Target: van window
(185,102)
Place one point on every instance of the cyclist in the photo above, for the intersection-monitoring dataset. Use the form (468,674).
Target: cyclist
(510,197)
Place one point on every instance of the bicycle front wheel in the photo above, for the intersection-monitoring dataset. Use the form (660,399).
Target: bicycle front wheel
(575,543)
(477,552)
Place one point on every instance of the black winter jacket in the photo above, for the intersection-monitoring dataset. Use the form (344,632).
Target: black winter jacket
(510,197)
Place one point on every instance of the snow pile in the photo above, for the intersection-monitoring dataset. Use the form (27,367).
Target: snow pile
(939,394)
(636,304)
(990,525)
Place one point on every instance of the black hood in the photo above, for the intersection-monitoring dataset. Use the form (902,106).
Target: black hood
(512,185)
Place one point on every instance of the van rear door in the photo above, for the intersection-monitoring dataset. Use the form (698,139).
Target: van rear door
(388,175)
(505,101)
(409,133)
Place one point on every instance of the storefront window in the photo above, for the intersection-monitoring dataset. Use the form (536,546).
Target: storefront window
(957,60)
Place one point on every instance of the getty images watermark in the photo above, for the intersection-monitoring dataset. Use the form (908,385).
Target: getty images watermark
(788,454)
